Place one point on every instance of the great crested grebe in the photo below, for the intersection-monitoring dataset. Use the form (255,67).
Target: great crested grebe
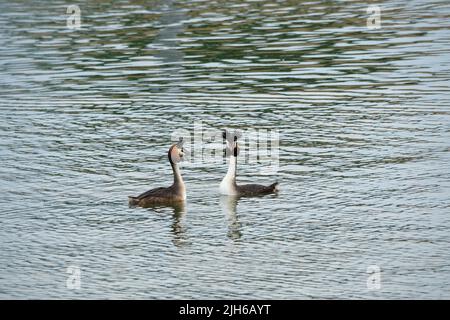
(173,194)
(228,185)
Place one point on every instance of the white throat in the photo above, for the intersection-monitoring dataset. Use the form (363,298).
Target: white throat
(228,184)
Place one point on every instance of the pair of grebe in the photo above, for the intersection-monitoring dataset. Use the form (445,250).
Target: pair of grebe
(177,191)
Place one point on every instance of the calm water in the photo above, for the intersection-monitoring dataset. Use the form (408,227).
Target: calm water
(364,123)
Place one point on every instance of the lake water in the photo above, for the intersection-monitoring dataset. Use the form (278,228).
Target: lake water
(363,117)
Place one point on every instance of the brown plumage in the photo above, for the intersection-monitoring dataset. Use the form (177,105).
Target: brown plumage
(256,189)
(173,194)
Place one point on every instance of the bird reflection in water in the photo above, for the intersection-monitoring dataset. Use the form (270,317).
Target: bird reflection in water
(177,227)
(229,205)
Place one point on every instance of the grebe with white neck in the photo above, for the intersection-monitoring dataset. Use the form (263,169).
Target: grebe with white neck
(173,194)
(228,186)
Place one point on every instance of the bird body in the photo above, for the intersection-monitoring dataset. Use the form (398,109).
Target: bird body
(173,194)
(229,186)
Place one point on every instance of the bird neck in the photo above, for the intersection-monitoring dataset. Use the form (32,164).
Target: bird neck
(232,166)
(177,178)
